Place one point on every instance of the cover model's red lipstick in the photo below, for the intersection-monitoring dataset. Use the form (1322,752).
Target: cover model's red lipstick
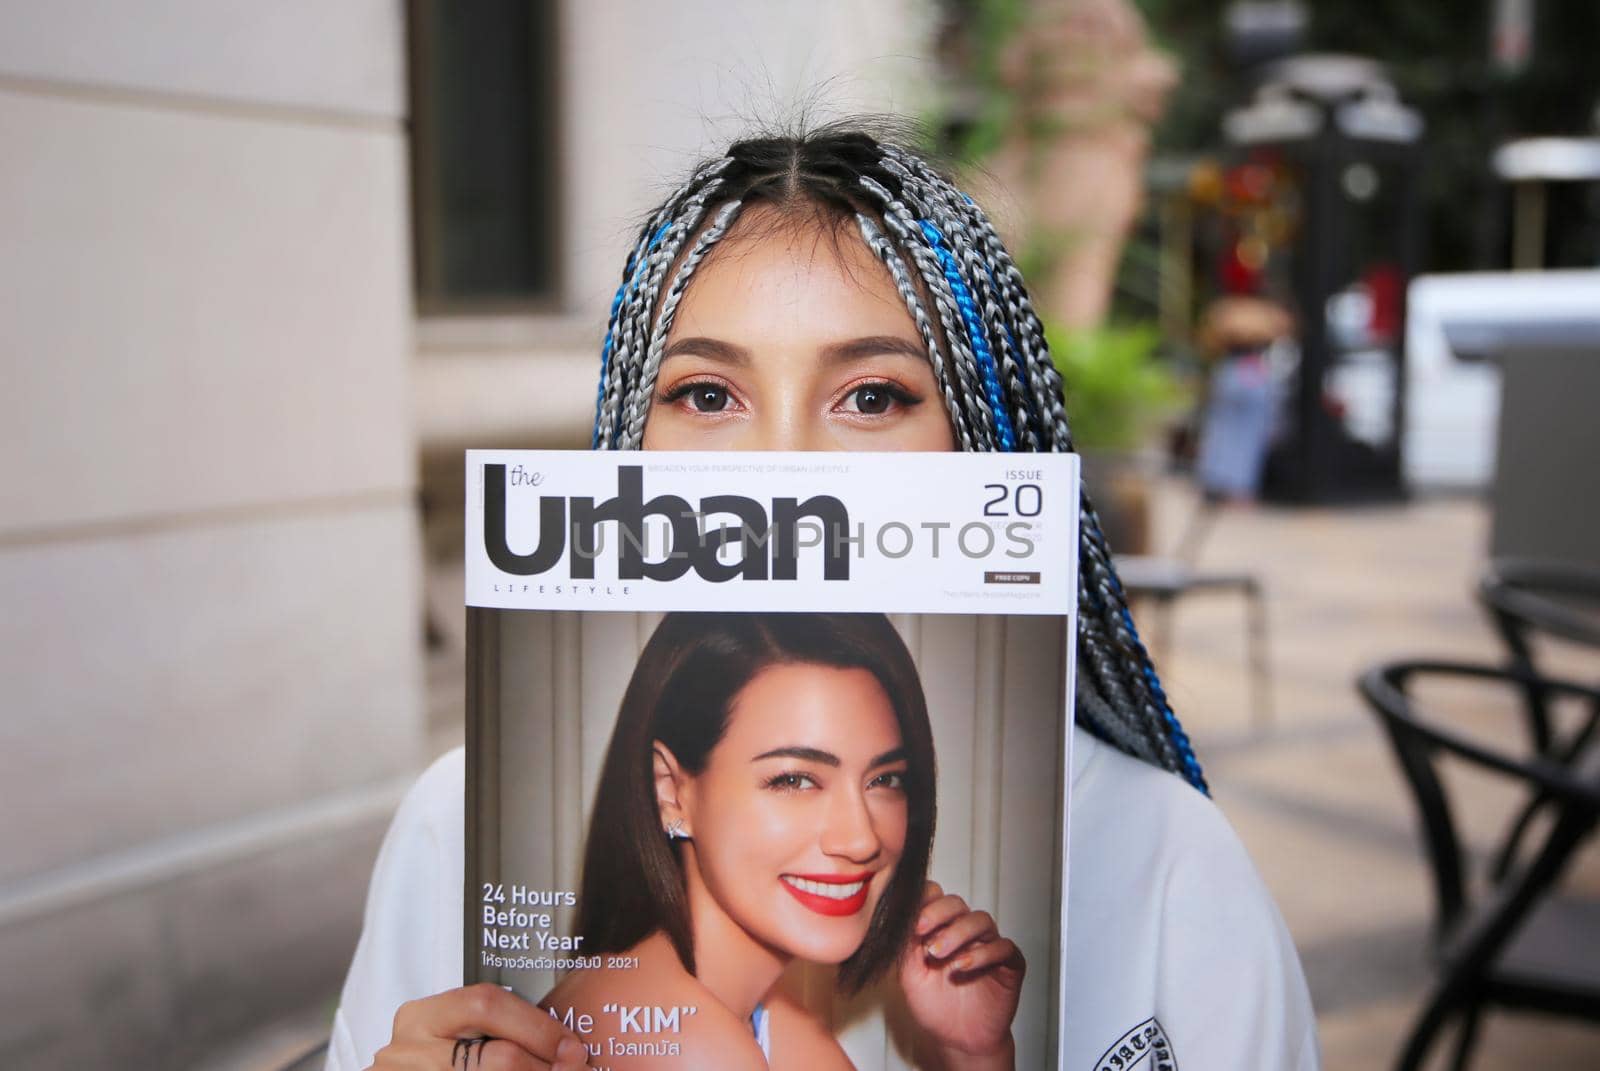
(829,894)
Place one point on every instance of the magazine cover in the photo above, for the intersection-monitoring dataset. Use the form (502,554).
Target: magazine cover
(769,754)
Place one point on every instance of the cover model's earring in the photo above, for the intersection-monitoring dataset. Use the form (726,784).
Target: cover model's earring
(675,830)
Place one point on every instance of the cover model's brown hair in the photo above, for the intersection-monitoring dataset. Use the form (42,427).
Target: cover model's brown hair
(681,694)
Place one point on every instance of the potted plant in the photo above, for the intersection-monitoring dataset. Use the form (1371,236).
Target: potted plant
(1119,392)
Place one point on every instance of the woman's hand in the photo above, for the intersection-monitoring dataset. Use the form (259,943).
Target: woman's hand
(479,1026)
(962,981)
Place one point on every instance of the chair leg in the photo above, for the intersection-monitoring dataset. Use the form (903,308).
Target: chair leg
(1441,1005)
(1507,855)
(1260,671)
(1466,1038)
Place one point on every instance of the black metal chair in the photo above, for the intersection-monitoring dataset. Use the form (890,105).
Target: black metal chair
(1519,944)
(1528,598)
(1161,580)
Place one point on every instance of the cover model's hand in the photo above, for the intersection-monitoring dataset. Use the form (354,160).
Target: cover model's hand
(478,1026)
(962,980)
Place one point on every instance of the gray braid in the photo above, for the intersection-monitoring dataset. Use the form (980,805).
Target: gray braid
(1044,381)
(1097,585)
(995,270)
(1002,314)
(984,339)
(1103,612)
(622,329)
(960,217)
(903,226)
(936,199)
(633,432)
(1103,606)
(1001,337)
(632,347)
(885,251)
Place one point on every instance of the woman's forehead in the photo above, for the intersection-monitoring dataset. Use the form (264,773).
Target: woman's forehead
(844,712)
(804,276)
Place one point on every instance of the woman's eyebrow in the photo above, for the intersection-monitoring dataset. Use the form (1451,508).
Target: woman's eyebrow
(873,346)
(809,754)
(711,349)
(827,758)
(896,755)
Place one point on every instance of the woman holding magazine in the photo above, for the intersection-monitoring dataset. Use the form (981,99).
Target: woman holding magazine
(836,292)
(768,796)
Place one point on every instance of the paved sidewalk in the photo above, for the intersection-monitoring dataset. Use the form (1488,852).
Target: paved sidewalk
(1316,797)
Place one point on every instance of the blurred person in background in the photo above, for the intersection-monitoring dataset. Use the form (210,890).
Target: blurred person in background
(1242,394)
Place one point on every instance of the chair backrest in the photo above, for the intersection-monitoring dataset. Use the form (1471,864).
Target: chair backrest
(1207,508)
(1525,597)
(1537,595)
(1419,740)
(1384,690)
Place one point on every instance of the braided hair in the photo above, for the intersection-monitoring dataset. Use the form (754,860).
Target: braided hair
(985,342)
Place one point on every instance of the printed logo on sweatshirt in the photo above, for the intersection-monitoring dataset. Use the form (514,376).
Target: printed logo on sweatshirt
(1145,1047)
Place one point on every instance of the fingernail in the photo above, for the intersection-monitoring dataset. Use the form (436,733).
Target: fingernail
(935,949)
(571,1051)
(963,963)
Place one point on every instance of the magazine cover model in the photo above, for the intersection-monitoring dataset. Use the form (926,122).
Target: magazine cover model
(767,755)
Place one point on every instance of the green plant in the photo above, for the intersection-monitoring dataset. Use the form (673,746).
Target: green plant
(1117,387)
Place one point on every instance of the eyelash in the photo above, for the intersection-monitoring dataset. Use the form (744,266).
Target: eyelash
(679,391)
(894,780)
(785,782)
(898,394)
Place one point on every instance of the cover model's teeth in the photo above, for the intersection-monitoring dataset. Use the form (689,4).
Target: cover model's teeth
(832,892)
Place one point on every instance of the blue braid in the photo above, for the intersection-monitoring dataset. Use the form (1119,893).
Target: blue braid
(631,271)
(1175,732)
(1179,738)
(605,353)
(980,344)
(991,383)
(1033,403)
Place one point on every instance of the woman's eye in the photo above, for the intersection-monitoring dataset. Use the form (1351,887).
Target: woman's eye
(790,782)
(703,396)
(876,399)
(872,400)
(708,398)
(895,780)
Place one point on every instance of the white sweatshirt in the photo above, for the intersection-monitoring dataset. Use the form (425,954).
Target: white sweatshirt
(1177,958)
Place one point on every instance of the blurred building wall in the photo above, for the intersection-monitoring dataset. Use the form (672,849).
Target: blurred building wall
(215,391)
(647,89)
(209,655)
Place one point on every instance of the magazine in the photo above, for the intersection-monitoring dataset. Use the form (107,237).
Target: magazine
(729,714)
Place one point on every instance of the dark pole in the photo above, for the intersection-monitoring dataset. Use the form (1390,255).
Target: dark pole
(1318,461)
